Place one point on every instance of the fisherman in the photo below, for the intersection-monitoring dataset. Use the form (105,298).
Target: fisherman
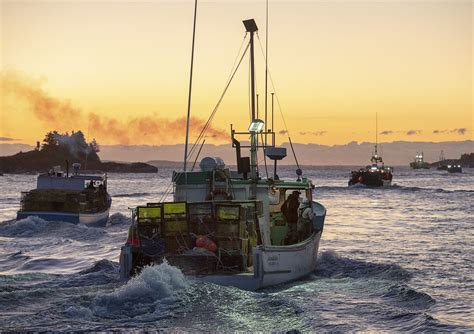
(290,211)
(305,218)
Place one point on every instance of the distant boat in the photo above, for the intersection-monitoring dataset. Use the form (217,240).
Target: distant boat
(455,168)
(419,163)
(375,175)
(76,199)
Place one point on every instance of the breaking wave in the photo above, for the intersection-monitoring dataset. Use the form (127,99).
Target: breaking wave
(24,227)
(144,294)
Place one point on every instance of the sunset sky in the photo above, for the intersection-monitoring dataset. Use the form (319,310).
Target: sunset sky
(119,70)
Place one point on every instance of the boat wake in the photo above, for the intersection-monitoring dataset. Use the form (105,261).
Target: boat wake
(331,265)
(144,295)
(119,219)
(35,226)
(386,282)
(23,227)
(404,296)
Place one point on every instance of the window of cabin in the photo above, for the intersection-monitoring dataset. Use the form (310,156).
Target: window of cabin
(274,196)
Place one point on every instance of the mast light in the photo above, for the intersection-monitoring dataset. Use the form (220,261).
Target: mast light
(256,126)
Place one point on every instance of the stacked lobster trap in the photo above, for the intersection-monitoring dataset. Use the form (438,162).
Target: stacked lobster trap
(176,231)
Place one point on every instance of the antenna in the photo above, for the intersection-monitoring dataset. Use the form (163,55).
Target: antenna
(190,88)
(273,126)
(376,132)
(266,70)
(256,125)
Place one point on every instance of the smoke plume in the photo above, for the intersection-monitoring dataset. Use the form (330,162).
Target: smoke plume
(63,116)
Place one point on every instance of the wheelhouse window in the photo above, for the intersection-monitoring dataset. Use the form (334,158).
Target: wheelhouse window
(274,196)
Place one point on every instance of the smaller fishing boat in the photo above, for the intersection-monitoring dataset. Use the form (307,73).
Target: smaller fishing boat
(455,168)
(76,199)
(419,163)
(374,175)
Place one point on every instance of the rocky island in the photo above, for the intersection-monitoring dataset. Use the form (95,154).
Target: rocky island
(57,148)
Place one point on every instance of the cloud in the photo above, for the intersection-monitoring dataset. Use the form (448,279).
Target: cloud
(149,129)
(385,133)
(45,108)
(8,139)
(313,133)
(64,116)
(413,132)
(459,131)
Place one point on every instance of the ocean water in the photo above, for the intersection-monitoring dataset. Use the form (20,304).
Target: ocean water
(395,259)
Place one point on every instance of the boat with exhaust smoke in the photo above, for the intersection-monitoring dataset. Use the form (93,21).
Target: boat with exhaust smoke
(77,198)
(233,228)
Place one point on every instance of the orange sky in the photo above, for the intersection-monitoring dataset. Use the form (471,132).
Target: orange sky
(119,70)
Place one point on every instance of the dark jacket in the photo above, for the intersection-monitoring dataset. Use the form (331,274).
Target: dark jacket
(290,209)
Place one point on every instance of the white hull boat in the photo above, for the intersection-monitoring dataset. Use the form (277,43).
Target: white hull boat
(233,228)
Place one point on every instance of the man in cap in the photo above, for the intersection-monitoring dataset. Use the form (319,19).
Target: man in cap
(290,211)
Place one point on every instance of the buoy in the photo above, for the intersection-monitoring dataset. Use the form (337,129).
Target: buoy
(204,242)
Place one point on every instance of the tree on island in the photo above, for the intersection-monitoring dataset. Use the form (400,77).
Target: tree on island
(50,139)
(75,142)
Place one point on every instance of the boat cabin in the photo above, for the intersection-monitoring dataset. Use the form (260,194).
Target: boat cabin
(75,182)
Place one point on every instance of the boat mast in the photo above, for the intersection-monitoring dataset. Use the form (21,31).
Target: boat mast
(251,28)
(266,70)
(189,93)
(376,134)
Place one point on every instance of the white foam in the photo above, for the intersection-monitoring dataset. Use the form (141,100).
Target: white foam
(154,285)
(119,219)
(24,227)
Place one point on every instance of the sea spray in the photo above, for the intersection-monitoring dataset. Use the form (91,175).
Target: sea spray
(24,227)
(154,286)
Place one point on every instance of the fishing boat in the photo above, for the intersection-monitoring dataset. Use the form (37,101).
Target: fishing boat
(419,163)
(454,168)
(374,175)
(231,227)
(77,198)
